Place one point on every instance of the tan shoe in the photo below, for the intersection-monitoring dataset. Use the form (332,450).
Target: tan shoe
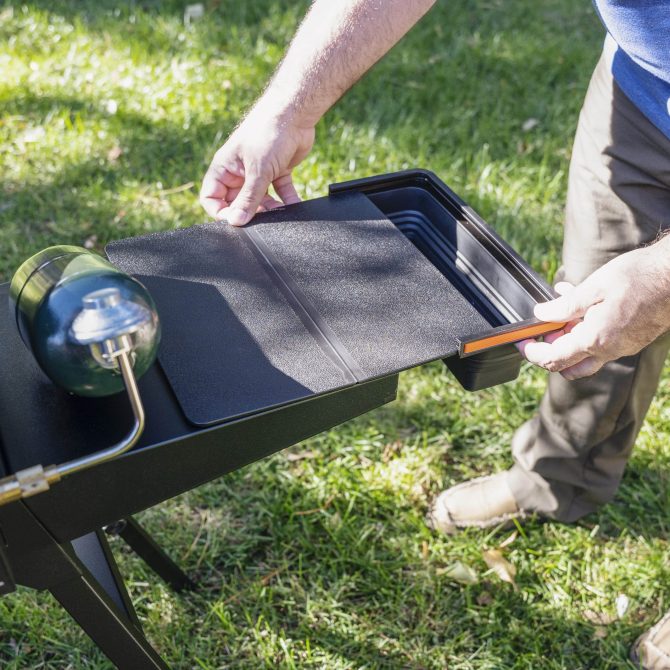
(651,650)
(479,503)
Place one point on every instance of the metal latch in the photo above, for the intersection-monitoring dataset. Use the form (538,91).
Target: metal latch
(28,482)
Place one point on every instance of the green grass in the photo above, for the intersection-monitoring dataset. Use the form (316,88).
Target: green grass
(109,116)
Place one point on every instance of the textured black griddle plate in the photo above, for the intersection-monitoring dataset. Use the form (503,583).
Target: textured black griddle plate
(307,299)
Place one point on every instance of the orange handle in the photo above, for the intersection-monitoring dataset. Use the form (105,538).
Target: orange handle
(512,333)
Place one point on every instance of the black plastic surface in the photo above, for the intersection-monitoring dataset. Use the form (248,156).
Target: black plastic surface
(475,259)
(489,368)
(307,299)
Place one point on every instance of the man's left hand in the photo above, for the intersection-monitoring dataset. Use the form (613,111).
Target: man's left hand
(615,312)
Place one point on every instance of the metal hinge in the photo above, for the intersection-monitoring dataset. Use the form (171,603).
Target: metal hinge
(28,482)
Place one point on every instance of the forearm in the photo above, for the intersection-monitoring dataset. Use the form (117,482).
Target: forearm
(337,42)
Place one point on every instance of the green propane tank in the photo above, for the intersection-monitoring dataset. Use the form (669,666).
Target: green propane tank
(74,310)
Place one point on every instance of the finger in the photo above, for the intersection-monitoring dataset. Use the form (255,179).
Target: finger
(564,287)
(552,337)
(269,202)
(521,346)
(558,355)
(248,199)
(570,325)
(286,190)
(589,366)
(217,185)
(573,304)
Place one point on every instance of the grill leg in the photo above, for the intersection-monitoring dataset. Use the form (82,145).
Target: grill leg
(109,627)
(83,577)
(151,553)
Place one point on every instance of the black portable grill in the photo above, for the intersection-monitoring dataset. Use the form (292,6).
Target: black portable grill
(271,334)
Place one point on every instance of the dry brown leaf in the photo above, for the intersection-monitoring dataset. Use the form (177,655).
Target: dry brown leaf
(114,153)
(500,565)
(390,450)
(300,455)
(507,541)
(600,633)
(424,550)
(459,572)
(599,618)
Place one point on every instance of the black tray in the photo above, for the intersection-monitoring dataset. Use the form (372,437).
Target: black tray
(456,240)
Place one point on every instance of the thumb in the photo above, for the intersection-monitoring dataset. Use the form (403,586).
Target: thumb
(571,304)
(248,199)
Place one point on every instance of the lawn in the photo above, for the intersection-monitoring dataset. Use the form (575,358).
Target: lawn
(318,557)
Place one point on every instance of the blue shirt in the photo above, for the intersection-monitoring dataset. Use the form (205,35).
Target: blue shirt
(641,62)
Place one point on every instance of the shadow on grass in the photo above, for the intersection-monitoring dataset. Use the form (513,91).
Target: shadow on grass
(351,598)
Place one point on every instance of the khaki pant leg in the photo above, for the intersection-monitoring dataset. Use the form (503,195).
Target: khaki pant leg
(569,459)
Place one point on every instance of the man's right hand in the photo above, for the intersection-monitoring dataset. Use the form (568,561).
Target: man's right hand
(263,150)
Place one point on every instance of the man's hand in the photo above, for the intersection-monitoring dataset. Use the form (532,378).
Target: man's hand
(615,312)
(262,151)
(334,46)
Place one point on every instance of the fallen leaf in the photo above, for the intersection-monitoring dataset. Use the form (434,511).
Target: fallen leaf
(600,633)
(390,450)
(507,541)
(500,565)
(300,455)
(316,510)
(529,124)
(193,13)
(622,602)
(459,572)
(598,618)
(114,153)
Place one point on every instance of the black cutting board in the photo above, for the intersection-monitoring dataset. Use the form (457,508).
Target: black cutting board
(305,300)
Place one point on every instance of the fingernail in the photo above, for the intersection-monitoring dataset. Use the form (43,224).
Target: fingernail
(236,217)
